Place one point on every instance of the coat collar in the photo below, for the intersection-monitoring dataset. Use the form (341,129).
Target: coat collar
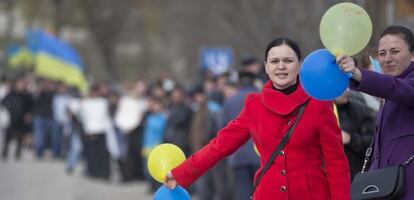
(280,103)
(407,71)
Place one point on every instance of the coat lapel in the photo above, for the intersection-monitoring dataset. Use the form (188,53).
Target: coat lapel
(280,103)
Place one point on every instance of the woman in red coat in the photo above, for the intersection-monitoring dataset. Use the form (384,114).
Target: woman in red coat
(312,165)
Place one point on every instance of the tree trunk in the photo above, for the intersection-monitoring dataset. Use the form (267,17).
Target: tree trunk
(109,59)
(10,20)
(58,5)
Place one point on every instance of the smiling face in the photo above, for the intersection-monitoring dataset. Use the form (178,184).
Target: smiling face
(282,66)
(394,55)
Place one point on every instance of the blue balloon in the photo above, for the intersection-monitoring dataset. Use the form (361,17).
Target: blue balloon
(178,193)
(321,77)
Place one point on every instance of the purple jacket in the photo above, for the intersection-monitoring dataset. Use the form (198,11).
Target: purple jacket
(394,142)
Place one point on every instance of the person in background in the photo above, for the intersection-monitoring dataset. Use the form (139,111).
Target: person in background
(312,165)
(61,115)
(154,132)
(75,132)
(357,122)
(393,144)
(4,113)
(255,66)
(179,120)
(212,87)
(128,117)
(4,86)
(205,123)
(43,121)
(244,162)
(96,123)
(17,103)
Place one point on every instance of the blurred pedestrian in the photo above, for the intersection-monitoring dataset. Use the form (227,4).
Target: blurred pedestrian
(17,104)
(95,119)
(154,132)
(357,122)
(43,122)
(179,120)
(128,117)
(244,162)
(205,123)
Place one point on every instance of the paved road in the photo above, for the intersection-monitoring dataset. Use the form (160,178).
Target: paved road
(30,179)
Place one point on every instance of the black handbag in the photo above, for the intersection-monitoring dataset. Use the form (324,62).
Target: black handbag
(278,148)
(384,184)
(381,184)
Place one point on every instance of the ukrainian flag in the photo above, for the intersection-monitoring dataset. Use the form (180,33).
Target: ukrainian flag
(19,57)
(54,59)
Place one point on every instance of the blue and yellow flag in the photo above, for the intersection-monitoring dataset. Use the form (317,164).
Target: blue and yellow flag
(19,57)
(54,59)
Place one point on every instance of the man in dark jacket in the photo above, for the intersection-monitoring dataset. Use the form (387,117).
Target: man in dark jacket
(179,121)
(17,103)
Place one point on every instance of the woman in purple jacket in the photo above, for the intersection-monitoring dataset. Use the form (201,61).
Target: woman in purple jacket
(394,142)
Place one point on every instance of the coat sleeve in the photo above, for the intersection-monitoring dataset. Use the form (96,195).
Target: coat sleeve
(399,90)
(336,163)
(228,140)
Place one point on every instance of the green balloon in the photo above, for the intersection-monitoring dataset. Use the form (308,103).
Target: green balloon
(345,28)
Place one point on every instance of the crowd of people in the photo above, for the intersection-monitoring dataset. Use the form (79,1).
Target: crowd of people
(111,130)
(115,126)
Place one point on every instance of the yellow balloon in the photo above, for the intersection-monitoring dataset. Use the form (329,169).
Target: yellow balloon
(345,28)
(162,159)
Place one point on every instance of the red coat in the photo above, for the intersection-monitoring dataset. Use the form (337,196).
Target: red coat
(311,166)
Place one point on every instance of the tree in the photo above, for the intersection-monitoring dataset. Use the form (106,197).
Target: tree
(105,20)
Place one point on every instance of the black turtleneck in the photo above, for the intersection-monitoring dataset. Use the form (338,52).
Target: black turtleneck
(288,90)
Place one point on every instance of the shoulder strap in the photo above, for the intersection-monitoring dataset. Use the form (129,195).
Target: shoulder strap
(369,151)
(368,154)
(279,148)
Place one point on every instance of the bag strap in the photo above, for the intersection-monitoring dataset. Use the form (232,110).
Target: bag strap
(369,151)
(368,154)
(406,163)
(278,148)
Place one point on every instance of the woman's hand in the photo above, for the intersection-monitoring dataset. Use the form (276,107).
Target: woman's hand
(170,181)
(347,64)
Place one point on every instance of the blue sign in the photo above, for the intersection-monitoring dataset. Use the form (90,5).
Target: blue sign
(217,60)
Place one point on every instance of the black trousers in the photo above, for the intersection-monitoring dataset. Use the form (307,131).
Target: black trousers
(131,166)
(96,156)
(10,134)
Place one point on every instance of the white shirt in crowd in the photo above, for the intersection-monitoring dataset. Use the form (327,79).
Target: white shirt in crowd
(129,113)
(94,114)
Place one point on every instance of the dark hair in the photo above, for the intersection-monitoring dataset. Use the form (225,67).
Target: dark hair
(405,33)
(197,90)
(280,41)
(248,60)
